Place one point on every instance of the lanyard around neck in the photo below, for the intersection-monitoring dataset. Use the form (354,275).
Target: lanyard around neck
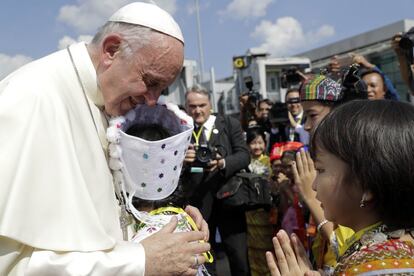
(200,132)
(197,135)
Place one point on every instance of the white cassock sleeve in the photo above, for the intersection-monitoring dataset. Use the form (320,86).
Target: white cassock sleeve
(58,211)
(125,258)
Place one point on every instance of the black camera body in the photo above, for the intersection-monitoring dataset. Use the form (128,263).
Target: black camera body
(279,114)
(253,96)
(353,87)
(204,154)
(291,78)
(406,44)
(407,40)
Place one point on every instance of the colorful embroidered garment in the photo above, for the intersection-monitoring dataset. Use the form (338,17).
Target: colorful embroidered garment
(185,224)
(321,88)
(377,252)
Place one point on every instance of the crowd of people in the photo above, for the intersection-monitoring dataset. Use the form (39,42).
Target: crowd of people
(100,177)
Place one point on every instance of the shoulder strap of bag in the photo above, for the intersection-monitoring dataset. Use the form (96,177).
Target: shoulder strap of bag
(248,175)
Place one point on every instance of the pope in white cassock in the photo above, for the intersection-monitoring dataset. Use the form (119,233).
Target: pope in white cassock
(58,210)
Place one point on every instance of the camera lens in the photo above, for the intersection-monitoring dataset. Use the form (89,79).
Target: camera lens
(203,154)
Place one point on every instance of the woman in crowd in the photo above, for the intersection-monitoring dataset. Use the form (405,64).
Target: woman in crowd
(365,181)
(259,229)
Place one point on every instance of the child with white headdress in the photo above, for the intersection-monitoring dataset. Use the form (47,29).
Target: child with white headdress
(147,148)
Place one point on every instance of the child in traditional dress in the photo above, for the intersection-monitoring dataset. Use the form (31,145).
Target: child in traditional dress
(364,160)
(147,149)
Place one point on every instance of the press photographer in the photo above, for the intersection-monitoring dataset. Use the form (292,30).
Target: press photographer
(291,78)
(354,67)
(403,44)
(207,174)
(262,114)
(279,119)
(248,103)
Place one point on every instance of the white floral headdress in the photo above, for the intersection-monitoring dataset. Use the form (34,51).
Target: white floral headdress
(148,170)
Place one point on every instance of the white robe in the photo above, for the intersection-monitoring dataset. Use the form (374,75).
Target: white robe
(58,211)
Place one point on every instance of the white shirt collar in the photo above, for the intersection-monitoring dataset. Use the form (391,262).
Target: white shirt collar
(209,124)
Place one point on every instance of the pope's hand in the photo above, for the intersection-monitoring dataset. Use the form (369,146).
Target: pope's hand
(168,253)
(202,225)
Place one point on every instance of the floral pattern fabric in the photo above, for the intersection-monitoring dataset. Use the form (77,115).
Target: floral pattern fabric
(143,231)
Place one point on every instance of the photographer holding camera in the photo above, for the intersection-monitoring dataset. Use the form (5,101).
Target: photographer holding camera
(218,151)
(262,114)
(250,102)
(402,44)
(378,85)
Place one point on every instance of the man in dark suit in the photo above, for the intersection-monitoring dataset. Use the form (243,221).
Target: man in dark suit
(296,132)
(223,135)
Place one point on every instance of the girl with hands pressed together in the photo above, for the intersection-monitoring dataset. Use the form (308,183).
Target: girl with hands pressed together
(373,200)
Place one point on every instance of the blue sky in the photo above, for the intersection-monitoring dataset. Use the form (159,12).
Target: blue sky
(32,29)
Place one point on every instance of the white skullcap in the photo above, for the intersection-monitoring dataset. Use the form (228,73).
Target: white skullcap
(148,15)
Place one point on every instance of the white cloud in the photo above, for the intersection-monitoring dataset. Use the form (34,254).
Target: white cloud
(287,35)
(88,15)
(322,32)
(10,63)
(67,40)
(245,9)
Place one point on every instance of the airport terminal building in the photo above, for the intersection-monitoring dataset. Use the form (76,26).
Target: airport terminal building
(375,45)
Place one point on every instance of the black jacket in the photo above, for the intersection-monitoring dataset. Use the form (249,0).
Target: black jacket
(228,138)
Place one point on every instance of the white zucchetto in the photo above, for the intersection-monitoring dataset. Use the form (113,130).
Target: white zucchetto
(148,15)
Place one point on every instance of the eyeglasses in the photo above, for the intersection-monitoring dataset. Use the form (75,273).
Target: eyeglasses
(293,100)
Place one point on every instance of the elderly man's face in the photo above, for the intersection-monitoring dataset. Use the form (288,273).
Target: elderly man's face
(198,107)
(128,81)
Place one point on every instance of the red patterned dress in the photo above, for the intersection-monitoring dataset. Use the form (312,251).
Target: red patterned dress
(378,252)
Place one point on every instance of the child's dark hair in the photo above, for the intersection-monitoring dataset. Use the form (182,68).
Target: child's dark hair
(375,139)
(253,132)
(288,156)
(154,132)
